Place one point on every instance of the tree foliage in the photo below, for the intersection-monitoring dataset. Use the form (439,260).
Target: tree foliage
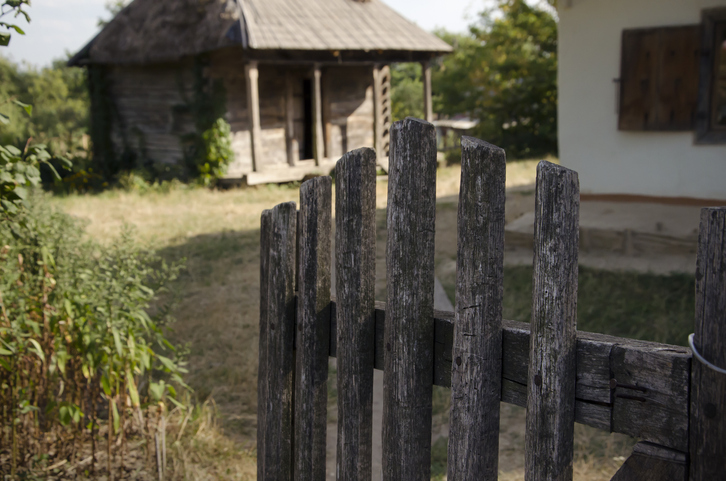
(502,73)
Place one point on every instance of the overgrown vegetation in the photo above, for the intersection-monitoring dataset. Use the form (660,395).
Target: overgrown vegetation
(82,338)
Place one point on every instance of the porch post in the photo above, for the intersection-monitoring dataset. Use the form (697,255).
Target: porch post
(318,138)
(292,151)
(428,108)
(253,111)
(377,127)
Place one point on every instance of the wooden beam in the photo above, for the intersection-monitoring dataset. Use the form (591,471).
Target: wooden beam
(646,374)
(253,112)
(293,153)
(650,462)
(318,137)
(428,107)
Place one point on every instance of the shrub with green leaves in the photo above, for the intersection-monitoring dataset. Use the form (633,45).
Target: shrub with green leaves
(217,151)
(82,335)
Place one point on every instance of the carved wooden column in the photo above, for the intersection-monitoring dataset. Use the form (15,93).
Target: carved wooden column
(253,112)
(318,138)
(426,74)
(291,144)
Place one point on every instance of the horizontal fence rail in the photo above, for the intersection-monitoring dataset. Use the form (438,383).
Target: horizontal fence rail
(672,402)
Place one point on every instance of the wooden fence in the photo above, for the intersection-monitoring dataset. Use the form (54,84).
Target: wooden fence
(672,402)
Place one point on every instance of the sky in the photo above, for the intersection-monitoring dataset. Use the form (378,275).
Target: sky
(61,26)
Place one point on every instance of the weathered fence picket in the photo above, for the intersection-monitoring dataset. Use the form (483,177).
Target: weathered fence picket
(313,329)
(708,386)
(476,382)
(355,259)
(549,439)
(670,399)
(409,333)
(277,319)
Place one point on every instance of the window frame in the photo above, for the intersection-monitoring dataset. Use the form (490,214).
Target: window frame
(704,133)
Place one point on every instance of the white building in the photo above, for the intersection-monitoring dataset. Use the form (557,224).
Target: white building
(642,96)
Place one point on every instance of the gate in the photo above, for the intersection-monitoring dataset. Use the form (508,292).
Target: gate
(669,397)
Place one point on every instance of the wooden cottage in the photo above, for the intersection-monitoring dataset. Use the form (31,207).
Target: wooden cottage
(301,81)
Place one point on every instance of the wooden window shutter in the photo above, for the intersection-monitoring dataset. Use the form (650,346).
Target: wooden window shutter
(659,78)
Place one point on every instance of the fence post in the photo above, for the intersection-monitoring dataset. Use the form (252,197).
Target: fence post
(355,261)
(313,329)
(550,418)
(277,324)
(409,329)
(476,380)
(708,386)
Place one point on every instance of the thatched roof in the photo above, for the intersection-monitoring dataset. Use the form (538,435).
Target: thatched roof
(165,30)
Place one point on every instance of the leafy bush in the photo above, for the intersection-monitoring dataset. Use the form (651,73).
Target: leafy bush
(217,151)
(80,323)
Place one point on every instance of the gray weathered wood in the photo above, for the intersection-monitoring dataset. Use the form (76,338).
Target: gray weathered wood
(355,259)
(253,112)
(650,462)
(313,329)
(291,144)
(549,439)
(265,243)
(477,350)
(662,372)
(377,120)
(409,330)
(279,327)
(428,104)
(318,137)
(708,387)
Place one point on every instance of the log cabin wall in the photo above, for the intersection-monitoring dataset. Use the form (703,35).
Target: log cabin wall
(150,120)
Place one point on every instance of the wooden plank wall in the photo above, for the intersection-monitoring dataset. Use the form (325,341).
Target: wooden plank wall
(348,103)
(144,97)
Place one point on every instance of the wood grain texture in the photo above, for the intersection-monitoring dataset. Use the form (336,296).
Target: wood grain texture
(708,387)
(279,337)
(265,244)
(313,329)
(477,349)
(650,462)
(409,330)
(355,237)
(549,439)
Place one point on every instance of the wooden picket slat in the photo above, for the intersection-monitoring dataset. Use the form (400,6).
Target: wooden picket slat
(313,329)
(409,334)
(278,337)
(355,261)
(477,346)
(549,438)
(708,386)
(265,243)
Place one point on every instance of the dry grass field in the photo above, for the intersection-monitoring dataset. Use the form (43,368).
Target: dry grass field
(217,232)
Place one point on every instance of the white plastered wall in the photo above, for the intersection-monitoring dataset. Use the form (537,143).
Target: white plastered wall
(609,161)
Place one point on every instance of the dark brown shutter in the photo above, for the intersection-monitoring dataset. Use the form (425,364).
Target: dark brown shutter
(659,78)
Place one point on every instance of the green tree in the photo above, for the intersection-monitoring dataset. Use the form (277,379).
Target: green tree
(505,75)
(19,165)
(406,91)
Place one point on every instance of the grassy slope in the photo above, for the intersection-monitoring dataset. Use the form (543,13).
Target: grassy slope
(218,232)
